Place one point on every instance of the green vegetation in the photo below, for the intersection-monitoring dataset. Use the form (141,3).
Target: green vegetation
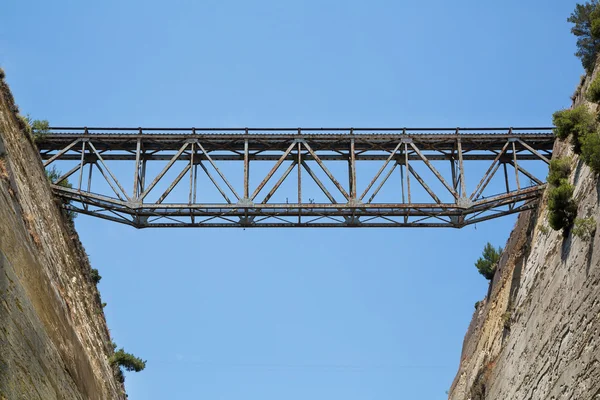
(593,92)
(576,123)
(506,317)
(53,175)
(579,124)
(560,169)
(584,228)
(39,129)
(477,303)
(590,151)
(488,262)
(95,276)
(24,125)
(562,208)
(35,129)
(125,360)
(586,26)
(2,74)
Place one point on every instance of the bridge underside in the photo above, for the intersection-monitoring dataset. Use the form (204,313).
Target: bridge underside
(298,178)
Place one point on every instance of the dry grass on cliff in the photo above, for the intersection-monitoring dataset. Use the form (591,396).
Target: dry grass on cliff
(3,170)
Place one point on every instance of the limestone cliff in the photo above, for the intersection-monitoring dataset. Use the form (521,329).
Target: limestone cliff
(54,342)
(537,334)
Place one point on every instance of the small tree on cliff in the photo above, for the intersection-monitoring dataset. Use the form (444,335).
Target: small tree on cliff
(487,263)
(586,21)
(122,359)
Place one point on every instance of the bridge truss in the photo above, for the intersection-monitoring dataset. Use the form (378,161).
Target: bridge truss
(155,177)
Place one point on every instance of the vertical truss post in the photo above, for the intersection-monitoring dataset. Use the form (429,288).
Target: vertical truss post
(195,183)
(246,167)
(453,170)
(463,190)
(299,171)
(402,182)
(516,165)
(352,169)
(193,150)
(407,172)
(81,166)
(299,164)
(89,183)
(136,176)
(506,177)
(142,181)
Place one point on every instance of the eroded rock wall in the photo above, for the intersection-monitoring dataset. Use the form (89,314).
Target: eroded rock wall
(54,342)
(537,333)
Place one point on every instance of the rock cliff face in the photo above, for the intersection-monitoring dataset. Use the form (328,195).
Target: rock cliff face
(54,342)
(537,333)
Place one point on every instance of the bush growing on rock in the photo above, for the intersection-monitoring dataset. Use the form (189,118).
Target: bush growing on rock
(562,208)
(593,92)
(95,275)
(560,168)
(590,151)
(575,123)
(584,228)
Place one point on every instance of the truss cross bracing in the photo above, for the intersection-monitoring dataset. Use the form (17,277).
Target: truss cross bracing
(158,177)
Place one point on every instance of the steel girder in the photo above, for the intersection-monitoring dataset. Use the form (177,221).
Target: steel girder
(328,177)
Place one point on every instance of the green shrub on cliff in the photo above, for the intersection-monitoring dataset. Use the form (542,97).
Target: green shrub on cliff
(95,275)
(53,175)
(487,263)
(590,151)
(39,129)
(584,228)
(576,123)
(593,92)
(560,168)
(586,26)
(562,209)
(36,129)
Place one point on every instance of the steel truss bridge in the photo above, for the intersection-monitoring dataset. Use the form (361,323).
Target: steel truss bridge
(192,177)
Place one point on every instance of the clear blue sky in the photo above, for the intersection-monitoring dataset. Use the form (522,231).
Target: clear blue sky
(290,314)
